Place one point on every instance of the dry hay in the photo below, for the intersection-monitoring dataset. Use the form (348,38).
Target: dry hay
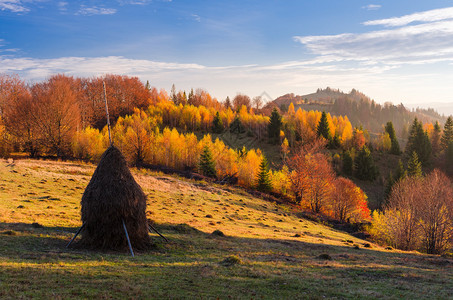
(113,195)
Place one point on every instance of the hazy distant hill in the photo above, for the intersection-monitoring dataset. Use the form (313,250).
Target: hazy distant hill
(445,109)
(360,109)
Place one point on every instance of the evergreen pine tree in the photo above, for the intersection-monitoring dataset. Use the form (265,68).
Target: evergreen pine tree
(389,185)
(419,142)
(236,126)
(414,131)
(400,172)
(263,181)
(427,150)
(335,143)
(365,168)
(274,127)
(447,136)
(348,164)
(323,127)
(414,166)
(217,124)
(435,139)
(207,164)
(395,147)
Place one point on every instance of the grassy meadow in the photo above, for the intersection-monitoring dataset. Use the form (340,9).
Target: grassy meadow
(267,251)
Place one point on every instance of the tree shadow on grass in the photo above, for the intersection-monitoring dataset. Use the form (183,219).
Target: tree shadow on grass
(185,239)
(198,264)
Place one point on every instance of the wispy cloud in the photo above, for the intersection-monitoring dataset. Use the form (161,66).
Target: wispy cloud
(412,44)
(15,6)
(89,66)
(196,17)
(426,16)
(278,79)
(134,2)
(372,7)
(94,10)
(62,6)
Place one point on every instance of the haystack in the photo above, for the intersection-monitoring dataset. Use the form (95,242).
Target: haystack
(111,197)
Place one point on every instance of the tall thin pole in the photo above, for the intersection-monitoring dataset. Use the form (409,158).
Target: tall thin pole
(128,240)
(77,233)
(107,112)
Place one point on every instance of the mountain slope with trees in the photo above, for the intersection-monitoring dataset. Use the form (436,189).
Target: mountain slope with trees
(360,109)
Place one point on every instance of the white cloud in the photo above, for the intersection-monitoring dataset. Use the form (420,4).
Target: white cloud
(196,17)
(372,7)
(410,44)
(426,16)
(298,77)
(134,2)
(15,6)
(87,66)
(62,6)
(94,10)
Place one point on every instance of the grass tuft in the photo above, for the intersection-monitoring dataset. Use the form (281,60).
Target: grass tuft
(231,261)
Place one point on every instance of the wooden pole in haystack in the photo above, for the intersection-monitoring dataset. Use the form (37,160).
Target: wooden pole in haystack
(77,233)
(107,113)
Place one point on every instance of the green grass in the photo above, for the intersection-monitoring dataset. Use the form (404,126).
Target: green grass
(267,251)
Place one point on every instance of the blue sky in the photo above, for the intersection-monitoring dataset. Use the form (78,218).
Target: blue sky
(398,51)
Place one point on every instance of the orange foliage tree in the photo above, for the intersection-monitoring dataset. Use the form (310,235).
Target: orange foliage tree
(311,176)
(349,202)
(56,113)
(18,113)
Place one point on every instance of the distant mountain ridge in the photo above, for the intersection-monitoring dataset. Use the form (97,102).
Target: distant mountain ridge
(360,109)
(325,96)
(443,108)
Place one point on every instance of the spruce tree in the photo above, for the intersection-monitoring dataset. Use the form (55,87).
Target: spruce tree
(217,124)
(207,164)
(447,136)
(236,126)
(395,147)
(274,127)
(365,169)
(323,127)
(263,181)
(419,142)
(348,164)
(335,143)
(389,186)
(413,138)
(435,139)
(400,172)
(414,166)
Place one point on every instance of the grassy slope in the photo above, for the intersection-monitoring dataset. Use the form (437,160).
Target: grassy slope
(273,262)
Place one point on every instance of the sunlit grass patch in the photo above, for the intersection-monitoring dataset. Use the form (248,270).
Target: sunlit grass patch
(266,250)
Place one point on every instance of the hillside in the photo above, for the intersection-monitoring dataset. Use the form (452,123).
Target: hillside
(268,250)
(360,109)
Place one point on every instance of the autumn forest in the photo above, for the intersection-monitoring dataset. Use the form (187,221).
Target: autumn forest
(320,163)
